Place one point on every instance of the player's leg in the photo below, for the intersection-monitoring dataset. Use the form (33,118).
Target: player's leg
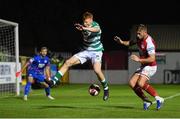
(142,80)
(41,79)
(27,87)
(143,83)
(149,89)
(96,59)
(101,77)
(147,72)
(47,90)
(133,80)
(68,63)
(136,88)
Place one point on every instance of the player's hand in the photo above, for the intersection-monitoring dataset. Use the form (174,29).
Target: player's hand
(18,73)
(118,39)
(79,26)
(49,79)
(135,58)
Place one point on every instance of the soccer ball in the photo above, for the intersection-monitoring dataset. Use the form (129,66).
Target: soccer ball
(94,89)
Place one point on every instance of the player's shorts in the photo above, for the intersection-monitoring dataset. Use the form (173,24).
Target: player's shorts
(94,56)
(147,71)
(38,77)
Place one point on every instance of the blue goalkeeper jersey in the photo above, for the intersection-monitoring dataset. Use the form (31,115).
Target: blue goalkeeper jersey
(38,64)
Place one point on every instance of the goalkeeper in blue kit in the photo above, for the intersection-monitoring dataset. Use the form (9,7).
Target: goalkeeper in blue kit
(38,69)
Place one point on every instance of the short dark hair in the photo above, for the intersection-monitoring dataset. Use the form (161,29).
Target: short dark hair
(44,48)
(141,27)
(87,15)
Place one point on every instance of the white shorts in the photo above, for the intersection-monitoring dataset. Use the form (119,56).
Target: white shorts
(94,56)
(147,71)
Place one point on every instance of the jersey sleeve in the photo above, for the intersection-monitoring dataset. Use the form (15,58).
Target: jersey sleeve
(31,60)
(150,47)
(95,25)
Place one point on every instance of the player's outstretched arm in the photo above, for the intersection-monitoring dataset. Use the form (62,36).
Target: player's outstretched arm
(92,29)
(83,28)
(23,68)
(120,41)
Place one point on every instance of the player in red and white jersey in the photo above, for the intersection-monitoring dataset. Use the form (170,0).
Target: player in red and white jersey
(146,48)
(147,58)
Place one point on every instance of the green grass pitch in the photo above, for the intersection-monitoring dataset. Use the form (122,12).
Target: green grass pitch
(74,101)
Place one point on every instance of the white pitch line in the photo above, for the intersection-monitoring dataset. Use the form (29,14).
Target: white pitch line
(170,97)
(166,98)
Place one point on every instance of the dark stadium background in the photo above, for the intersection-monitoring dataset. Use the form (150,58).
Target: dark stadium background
(50,22)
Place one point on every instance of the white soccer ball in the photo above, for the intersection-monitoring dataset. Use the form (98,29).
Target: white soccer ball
(94,89)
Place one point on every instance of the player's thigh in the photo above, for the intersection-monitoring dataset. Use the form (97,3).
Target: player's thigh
(97,66)
(72,61)
(96,57)
(149,71)
(82,56)
(133,80)
(142,80)
(39,78)
(30,77)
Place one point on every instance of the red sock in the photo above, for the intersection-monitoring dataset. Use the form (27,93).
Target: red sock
(149,89)
(139,92)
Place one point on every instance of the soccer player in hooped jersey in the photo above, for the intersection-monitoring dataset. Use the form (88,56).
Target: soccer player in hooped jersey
(139,80)
(91,50)
(37,67)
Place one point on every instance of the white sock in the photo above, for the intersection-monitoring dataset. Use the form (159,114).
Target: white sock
(61,73)
(106,88)
(103,80)
(157,97)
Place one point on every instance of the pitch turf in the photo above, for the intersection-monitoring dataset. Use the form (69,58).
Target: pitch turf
(74,101)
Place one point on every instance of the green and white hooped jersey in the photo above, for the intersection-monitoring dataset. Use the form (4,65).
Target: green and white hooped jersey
(92,40)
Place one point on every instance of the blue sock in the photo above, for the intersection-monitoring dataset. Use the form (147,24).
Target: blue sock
(27,88)
(47,90)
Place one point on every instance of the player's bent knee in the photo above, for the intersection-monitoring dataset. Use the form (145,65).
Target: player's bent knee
(141,84)
(47,86)
(30,79)
(132,83)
